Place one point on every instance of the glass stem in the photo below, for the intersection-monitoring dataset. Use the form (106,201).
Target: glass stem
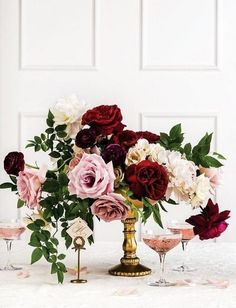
(9,244)
(162,267)
(184,247)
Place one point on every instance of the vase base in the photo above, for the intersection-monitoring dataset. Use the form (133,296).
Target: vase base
(129,270)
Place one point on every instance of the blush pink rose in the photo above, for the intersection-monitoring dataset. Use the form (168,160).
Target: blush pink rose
(214,175)
(29,184)
(91,178)
(110,207)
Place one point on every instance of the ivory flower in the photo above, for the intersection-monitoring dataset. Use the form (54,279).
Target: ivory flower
(200,191)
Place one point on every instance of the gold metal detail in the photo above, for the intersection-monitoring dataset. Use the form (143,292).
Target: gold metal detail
(79,243)
(130,266)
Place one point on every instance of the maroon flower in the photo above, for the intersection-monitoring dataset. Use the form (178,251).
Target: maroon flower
(85,138)
(147,179)
(114,153)
(105,119)
(14,163)
(150,137)
(126,139)
(210,223)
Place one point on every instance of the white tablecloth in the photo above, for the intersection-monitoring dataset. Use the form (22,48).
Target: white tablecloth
(40,289)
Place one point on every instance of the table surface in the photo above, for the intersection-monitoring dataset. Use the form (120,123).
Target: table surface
(214,261)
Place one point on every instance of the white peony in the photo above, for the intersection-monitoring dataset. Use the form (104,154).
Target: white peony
(69,111)
(200,191)
(182,176)
(158,154)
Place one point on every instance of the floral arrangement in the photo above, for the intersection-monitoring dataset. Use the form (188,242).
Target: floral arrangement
(103,169)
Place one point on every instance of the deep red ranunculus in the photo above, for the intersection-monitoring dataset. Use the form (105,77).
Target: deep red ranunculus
(150,137)
(210,223)
(126,139)
(14,163)
(114,153)
(105,119)
(85,138)
(147,179)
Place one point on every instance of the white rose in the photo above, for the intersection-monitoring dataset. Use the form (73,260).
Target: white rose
(138,152)
(69,111)
(200,190)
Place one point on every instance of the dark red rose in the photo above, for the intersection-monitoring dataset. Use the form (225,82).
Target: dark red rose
(126,139)
(147,179)
(106,120)
(86,138)
(210,223)
(114,153)
(150,137)
(14,163)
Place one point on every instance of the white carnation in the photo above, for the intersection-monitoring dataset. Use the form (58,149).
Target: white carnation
(69,111)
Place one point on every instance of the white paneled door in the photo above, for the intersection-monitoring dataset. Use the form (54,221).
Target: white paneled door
(162,61)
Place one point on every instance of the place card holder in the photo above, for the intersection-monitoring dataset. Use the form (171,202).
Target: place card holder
(79,243)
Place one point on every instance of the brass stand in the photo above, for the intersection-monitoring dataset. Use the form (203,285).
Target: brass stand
(79,243)
(129,266)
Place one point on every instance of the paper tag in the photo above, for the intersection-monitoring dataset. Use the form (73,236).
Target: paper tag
(79,228)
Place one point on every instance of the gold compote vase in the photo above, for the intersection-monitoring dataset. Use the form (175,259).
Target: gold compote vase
(130,264)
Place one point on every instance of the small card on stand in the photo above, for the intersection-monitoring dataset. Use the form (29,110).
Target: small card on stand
(79,228)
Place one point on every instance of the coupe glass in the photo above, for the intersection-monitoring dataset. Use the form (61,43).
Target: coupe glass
(161,242)
(187,234)
(10,230)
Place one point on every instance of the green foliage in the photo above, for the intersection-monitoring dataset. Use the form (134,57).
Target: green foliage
(174,140)
(153,209)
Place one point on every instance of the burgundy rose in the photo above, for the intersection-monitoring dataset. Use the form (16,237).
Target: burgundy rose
(85,138)
(147,179)
(114,153)
(150,137)
(126,139)
(210,223)
(105,119)
(14,163)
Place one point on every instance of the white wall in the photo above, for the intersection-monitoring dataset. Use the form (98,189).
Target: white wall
(162,61)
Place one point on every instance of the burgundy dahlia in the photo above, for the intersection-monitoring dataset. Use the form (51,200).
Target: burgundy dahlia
(14,163)
(126,139)
(114,153)
(147,179)
(85,138)
(105,119)
(150,137)
(210,223)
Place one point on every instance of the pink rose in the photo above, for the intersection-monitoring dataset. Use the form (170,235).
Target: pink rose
(214,175)
(29,184)
(91,178)
(110,207)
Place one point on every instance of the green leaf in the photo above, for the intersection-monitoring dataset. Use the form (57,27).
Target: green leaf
(30,145)
(156,215)
(175,131)
(220,156)
(68,241)
(187,148)
(147,211)
(46,234)
(164,139)
(20,203)
(62,267)
(212,162)
(60,128)
(49,131)
(45,252)
(61,256)
(13,178)
(44,147)
(36,255)
(162,207)
(55,154)
(171,201)
(50,122)
(60,276)
(37,139)
(50,115)
(33,227)
(34,241)
(50,185)
(61,134)
(54,268)
(6,185)
(55,241)
(39,222)
(63,179)
(37,148)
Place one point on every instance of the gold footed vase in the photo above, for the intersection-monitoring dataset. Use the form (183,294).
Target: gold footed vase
(129,264)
